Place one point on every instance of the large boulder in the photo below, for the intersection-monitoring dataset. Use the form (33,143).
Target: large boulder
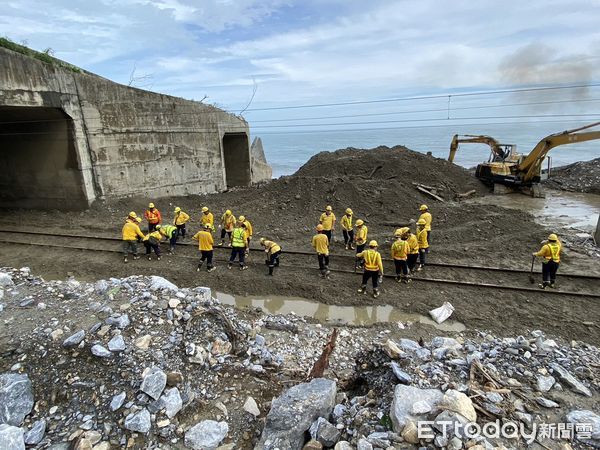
(16,398)
(589,422)
(11,438)
(570,380)
(292,414)
(405,397)
(206,435)
(459,403)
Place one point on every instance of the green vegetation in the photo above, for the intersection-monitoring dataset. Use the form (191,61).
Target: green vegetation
(45,56)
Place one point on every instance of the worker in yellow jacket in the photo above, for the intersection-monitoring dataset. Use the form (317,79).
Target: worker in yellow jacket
(327,219)
(152,242)
(205,245)
(360,237)
(320,243)
(400,256)
(426,216)
(207,218)
(227,225)
(413,248)
(239,243)
(550,251)
(131,232)
(180,219)
(348,229)
(423,242)
(273,251)
(373,268)
(249,232)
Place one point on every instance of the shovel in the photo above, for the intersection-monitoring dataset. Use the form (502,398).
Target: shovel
(531,279)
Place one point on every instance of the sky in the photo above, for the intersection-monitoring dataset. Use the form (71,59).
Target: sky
(254,54)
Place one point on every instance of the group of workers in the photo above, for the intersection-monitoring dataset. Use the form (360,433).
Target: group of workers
(409,249)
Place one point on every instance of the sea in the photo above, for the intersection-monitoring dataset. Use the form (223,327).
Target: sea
(288,151)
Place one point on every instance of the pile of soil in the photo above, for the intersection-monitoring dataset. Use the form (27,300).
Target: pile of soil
(582,176)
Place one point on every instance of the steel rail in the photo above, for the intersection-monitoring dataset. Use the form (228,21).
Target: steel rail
(350,272)
(304,253)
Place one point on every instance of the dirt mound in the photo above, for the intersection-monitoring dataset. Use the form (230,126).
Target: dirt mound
(397,165)
(582,176)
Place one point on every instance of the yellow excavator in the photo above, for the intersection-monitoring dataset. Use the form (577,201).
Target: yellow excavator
(500,152)
(516,171)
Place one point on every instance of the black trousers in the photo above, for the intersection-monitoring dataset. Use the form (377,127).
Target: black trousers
(206,255)
(225,232)
(173,241)
(150,247)
(328,234)
(129,247)
(238,252)
(273,261)
(181,230)
(359,249)
(412,261)
(549,270)
(401,266)
(323,261)
(373,275)
(348,237)
(152,227)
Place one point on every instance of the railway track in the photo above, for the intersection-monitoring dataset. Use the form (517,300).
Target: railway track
(455,274)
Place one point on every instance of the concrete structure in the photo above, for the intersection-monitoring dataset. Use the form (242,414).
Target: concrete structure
(68,138)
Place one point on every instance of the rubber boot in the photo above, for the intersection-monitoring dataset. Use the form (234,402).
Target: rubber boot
(271,270)
(362,289)
(210,269)
(375,293)
(199,266)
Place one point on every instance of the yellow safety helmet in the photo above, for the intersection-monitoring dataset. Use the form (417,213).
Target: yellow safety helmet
(329,208)
(404,230)
(398,232)
(349,211)
(421,222)
(359,222)
(207,226)
(132,214)
(177,209)
(262,240)
(150,205)
(228,212)
(423,208)
(158,227)
(373,244)
(242,218)
(138,219)
(204,209)
(553,237)
(319,227)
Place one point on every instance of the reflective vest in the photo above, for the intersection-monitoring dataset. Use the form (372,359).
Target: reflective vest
(168,230)
(361,234)
(238,237)
(207,219)
(347,222)
(551,252)
(400,250)
(422,238)
(413,244)
(372,260)
(153,216)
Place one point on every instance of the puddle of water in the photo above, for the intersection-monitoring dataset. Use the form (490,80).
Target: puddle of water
(561,209)
(333,314)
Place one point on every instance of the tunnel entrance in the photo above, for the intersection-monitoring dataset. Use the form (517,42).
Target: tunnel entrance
(38,160)
(237,159)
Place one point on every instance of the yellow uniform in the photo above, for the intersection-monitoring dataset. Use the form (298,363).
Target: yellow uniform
(550,251)
(328,221)
(413,244)
(181,218)
(228,222)
(422,239)
(207,219)
(361,234)
(249,230)
(205,240)
(347,222)
(372,259)
(155,234)
(320,243)
(400,250)
(426,216)
(271,247)
(131,231)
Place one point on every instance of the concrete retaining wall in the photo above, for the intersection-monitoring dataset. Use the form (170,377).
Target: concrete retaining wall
(124,141)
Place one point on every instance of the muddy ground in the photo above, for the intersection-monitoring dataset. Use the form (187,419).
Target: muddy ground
(378,186)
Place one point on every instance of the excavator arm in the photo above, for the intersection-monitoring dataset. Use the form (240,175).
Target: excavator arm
(474,139)
(529,168)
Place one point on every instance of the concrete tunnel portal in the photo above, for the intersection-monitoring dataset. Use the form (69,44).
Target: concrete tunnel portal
(236,154)
(39,167)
